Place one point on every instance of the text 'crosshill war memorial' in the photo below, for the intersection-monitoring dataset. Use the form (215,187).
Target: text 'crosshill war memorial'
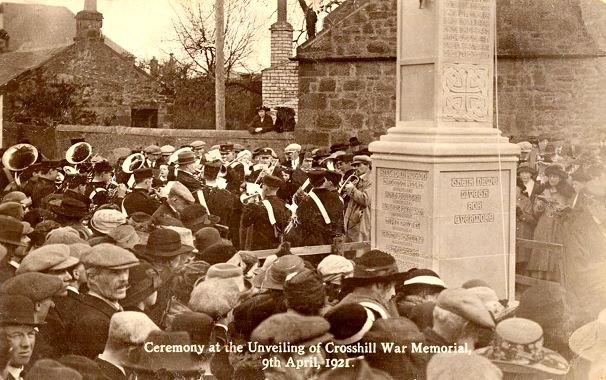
(444,176)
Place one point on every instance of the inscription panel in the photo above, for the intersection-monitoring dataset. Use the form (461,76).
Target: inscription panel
(466,29)
(402,213)
(473,207)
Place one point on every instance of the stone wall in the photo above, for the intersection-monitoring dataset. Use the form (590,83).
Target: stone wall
(40,136)
(105,139)
(560,97)
(552,69)
(343,99)
(108,83)
(347,75)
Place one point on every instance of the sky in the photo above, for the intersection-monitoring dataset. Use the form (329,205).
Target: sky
(145,27)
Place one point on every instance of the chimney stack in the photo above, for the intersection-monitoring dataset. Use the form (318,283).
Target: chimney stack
(89,22)
(281,36)
(282,11)
(153,67)
(90,5)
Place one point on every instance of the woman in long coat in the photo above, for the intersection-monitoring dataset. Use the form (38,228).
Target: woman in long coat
(525,224)
(544,263)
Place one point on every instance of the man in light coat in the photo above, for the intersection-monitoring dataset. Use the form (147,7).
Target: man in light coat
(357,213)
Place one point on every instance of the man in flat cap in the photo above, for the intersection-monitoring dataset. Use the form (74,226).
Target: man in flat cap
(140,199)
(152,154)
(357,213)
(199,148)
(178,199)
(127,329)
(459,317)
(42,290)
(291,154)
(107,268)
(262,122)
(45,184)
(268,218)
(187,171)
(18,322)
(54,260)
(265,165)
(234,170)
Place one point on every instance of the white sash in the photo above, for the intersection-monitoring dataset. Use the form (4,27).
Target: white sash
(321,207)
(270,212)
(96,191)
(375,308)
(202,200)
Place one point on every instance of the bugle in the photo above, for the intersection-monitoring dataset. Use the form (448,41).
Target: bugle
(353,179)
(247,199)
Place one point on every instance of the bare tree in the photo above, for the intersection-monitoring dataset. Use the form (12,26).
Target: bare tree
(195,29)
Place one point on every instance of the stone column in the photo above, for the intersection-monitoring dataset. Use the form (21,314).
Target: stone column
(444,177)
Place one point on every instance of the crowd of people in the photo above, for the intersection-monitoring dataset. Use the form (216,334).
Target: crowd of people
(143,268)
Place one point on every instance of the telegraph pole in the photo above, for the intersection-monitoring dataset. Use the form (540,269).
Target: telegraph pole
(219,66)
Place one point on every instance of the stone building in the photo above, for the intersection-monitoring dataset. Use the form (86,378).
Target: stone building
(107,83)
(347,74)
(551,71)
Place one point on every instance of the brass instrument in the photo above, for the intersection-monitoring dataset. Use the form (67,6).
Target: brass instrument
(268,170)
(133,162)
(353,179)
(250,199)
(77,154)
(19,157)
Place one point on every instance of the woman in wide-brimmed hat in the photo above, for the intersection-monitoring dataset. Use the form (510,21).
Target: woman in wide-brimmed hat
(373,283)
(548,208)
(518,349)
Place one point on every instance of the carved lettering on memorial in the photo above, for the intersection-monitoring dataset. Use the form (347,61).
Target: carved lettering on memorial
(401,220)
(466,29)
(465,90)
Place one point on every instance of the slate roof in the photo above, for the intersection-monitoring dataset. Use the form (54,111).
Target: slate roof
(14,63)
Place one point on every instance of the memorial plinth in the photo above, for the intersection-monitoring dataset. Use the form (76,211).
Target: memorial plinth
(444,177)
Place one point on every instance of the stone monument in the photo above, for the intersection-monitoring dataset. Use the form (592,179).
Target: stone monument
(444,177)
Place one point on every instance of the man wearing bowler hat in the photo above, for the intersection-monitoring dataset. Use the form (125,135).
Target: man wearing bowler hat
(18,322)
(373,283)
(13,237)
(107,269)
(165,252)
(188,167)
(139,199)
(267,218)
